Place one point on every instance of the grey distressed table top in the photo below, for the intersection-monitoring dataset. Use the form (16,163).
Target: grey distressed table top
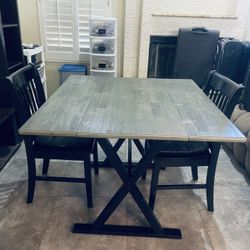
(163,109)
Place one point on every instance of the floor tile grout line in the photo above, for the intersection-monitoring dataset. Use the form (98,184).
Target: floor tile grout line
(47,224)
(52,209)
(204,225)
(4,202)
(61,184)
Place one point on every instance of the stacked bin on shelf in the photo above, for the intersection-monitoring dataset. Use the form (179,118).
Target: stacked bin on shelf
(103,46)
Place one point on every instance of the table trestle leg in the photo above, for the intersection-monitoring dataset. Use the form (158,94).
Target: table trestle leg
(129,186)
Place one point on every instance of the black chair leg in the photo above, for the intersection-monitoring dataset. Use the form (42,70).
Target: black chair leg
(211,176)
(45,166)
(194,172)
(31,178)
(210,199)
(95,156)
(154,184)
(210,188)
(87,170)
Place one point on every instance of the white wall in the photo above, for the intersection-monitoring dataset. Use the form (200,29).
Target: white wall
(195,7)
(29,21)
(132,37)
(244,18)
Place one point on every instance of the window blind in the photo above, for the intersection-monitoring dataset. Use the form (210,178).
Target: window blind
(65,27)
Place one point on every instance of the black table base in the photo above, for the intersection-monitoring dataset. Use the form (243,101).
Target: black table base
(129,179)
(137,231)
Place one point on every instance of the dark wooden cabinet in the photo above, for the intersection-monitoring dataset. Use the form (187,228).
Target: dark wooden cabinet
(11,59)
(11,54)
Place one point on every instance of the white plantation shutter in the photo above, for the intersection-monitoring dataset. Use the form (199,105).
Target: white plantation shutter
(84,12)
(86,9)
(65,26)
(59,29)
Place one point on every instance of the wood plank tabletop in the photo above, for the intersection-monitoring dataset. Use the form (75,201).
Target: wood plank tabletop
(62,113)
(162,109)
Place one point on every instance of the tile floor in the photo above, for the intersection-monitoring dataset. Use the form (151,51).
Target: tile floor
(47,222)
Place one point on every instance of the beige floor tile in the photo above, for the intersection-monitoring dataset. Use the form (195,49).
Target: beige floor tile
(69,210)
(232,215)
(175,213)
(228,172)
(15,170)
(167,176)
(6,191)
(229,225)
(226,228)
(226,193)
(22,225)
(101,184)
(56,168)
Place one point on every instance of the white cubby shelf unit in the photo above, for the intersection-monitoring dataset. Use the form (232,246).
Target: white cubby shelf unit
(103,46)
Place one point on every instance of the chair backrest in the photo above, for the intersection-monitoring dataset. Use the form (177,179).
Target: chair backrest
(28,92)
(224,92)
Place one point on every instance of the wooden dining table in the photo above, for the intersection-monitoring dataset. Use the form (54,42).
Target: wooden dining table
(136,109)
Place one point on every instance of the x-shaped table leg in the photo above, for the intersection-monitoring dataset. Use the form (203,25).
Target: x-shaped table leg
(116,147)
(128,186)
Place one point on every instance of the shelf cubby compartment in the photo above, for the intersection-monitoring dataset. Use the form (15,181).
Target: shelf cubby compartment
(102,46)
(103,63)
(13,47)
(104,27)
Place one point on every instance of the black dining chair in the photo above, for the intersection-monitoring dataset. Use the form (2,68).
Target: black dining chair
(25,87)
(225,94)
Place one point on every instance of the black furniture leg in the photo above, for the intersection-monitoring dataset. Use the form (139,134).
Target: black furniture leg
(45,166)
(31,169)
(211,175)
(95,158)
(194,173)
(142,152)
(139,146)
(148,213)
(153,185)
(117,146)
(128,186)
(87,172)
(110,207)
(129,157)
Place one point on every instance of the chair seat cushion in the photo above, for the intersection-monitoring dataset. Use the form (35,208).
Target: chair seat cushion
(68,143)
(184,149)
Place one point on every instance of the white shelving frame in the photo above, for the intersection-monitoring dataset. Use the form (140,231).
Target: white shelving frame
(41,69)
(95,56)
